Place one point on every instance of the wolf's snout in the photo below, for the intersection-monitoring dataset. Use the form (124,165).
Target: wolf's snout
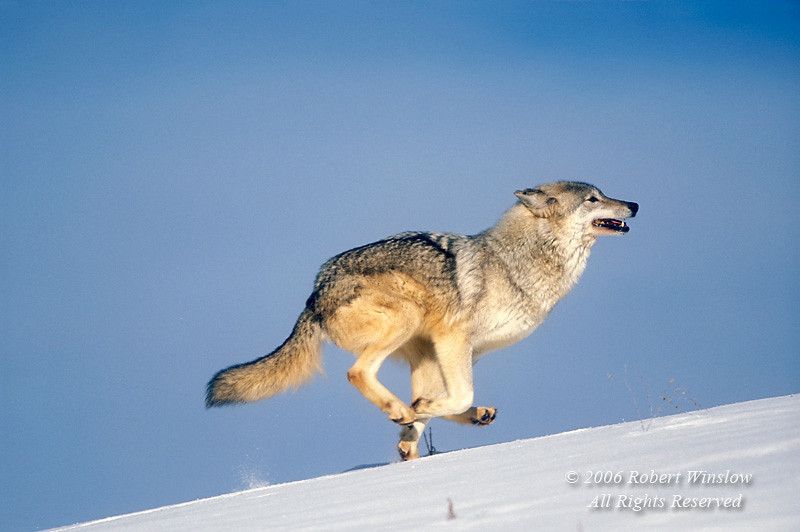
(634,207)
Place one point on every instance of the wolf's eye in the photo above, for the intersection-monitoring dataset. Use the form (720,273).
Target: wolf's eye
(592,199)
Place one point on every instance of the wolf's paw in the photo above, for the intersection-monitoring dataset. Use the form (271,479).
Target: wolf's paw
(484,415)
(408,450)
(422,407)
(400,413)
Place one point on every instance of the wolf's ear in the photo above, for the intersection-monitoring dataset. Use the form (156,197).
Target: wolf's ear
(539,203)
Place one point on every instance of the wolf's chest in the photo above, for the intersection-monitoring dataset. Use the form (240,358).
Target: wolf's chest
(500,328)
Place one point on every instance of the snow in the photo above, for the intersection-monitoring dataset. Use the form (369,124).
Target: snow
(523,485)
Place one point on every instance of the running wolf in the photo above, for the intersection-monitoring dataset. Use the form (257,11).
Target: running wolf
(439,301)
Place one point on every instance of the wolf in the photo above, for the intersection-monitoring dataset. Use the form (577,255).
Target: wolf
(438,301)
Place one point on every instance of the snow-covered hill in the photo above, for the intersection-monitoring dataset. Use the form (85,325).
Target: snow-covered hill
(730,467)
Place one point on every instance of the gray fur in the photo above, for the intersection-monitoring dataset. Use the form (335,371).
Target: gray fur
(440,301)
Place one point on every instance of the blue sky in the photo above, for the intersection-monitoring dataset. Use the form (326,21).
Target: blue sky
(173,175)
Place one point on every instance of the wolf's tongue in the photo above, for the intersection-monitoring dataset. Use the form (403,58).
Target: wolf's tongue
(611,223)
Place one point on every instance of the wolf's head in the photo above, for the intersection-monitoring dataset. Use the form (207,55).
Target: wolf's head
(580,206)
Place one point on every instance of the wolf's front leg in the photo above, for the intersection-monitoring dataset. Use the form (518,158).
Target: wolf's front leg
(475,415)
(453,355)
(426,381)
(409,440)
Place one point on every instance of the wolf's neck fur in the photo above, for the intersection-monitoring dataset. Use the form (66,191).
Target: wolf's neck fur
(544,258)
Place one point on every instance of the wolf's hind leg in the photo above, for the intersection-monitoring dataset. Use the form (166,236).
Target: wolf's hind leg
(363,375)
(372,327)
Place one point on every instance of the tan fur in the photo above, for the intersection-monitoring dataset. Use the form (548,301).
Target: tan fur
(439,301)
(290,365)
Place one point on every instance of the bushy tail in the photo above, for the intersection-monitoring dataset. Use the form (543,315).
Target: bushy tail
(291,364)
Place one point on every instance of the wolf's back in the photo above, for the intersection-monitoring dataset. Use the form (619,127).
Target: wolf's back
(291,364)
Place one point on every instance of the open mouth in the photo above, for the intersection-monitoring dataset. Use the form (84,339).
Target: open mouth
(612,224)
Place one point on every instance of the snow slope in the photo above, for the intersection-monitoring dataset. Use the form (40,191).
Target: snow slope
(524,484)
